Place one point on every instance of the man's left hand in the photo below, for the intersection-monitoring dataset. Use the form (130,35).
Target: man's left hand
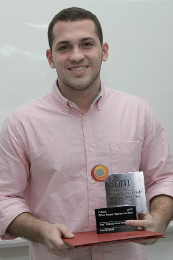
(145,222)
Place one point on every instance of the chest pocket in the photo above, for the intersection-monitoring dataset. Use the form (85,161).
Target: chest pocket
(125,156)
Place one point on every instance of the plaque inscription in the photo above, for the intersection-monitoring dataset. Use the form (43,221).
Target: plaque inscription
(110,220)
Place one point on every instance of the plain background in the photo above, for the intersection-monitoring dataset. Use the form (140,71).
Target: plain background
(139,33)
(140,37)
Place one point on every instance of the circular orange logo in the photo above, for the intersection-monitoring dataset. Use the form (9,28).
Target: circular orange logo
(99,173)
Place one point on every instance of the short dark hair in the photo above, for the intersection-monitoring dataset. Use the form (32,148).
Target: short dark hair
(74,14)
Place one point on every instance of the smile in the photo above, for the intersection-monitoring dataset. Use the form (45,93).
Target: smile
(79,68)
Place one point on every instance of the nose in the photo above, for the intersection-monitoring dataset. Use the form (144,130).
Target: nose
(76,55)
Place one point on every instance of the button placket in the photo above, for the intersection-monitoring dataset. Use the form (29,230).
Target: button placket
(91,161)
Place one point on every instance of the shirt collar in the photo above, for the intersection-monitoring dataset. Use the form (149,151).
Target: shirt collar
(66,104)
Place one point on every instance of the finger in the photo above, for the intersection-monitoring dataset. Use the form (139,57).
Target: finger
(57,246)
(58,252)
(60,245)
(146,242)
(65,231)
(140,221)
(136,223)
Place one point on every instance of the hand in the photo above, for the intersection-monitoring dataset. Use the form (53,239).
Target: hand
(145,222)
(53,234)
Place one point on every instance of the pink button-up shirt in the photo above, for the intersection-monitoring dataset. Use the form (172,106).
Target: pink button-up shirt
(48,148)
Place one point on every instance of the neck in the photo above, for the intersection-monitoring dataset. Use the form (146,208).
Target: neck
(82,98)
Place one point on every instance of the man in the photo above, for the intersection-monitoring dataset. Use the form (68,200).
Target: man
(49,146)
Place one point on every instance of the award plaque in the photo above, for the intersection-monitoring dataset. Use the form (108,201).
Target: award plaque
(125,194)
(126,189)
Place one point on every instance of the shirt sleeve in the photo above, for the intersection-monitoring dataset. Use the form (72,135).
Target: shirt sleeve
(14,175)
(156,160)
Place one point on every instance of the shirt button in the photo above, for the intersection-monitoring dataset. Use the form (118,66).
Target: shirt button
(90,149)
(85,118)
(71,105)
(93,181)
(93,213)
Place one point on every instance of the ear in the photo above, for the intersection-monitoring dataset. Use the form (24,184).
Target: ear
(105,49)
(50,58)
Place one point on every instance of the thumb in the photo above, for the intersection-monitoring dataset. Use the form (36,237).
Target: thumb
(66,233)
(142,216)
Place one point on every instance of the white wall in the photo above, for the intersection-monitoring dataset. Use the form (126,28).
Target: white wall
(140,36)
(162,250)
(15,253)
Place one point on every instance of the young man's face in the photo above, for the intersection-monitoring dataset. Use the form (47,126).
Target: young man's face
(77,54)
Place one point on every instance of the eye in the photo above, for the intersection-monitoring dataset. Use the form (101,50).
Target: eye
(88,44)
(63,48)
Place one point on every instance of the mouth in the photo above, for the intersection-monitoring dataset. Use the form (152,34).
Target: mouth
(78,68)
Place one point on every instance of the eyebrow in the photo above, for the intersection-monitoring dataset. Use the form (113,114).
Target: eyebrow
(81,40)
(87,39)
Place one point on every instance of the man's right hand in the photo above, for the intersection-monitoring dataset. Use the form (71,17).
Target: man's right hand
(53,238)
(34,229)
